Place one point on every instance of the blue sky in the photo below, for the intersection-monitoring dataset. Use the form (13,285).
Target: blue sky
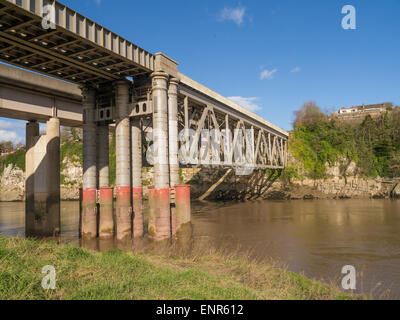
(271,56)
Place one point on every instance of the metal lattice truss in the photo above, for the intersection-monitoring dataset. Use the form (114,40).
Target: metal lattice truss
(78,49)
(211,137)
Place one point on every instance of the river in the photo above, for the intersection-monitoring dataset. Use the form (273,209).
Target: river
(316,238)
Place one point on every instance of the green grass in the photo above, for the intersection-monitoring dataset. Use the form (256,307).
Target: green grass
(83,274)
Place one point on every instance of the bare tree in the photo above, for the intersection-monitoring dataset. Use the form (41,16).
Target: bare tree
(6,146)
(69,134)
(310,113)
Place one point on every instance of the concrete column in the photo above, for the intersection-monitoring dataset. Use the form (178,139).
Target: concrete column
(173,131)
(89,206)
(137,190)
(151,194)
(182,201)
(43,180)
(103,155)
(173,144)
(160,130)
(53,169)
(32,134)
(106,222)
(162,227)
(123,157)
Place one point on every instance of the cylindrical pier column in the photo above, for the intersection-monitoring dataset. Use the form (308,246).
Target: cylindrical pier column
(161,159)
(163,216)
(137,190)
(173,144)
(182,203)
(151,195)
(173,131)
(89,206)
(103,155)
(123,157)
(106,222)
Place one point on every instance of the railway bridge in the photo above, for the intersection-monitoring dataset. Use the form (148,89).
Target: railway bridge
(85,75)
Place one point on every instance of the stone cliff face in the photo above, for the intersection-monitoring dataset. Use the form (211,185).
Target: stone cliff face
(224,184)
(12,181)
(71,178)
(12,184)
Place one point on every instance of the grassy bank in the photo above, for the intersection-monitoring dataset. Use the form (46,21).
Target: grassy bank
(83,274)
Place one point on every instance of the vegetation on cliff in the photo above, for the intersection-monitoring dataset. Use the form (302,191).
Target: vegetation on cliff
(373,144)
(83,274)
(17,159)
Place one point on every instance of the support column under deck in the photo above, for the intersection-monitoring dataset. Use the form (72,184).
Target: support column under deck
(106,222)
(173,131)
(162,224)
(43,180)
(173,145)
(137,189)
(123,167)
(32,134)
(89,206)
(53,169)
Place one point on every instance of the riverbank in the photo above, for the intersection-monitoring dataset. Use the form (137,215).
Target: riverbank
(83,274)
(218,184)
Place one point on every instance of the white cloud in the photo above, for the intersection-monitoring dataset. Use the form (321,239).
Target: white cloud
(11,125)
(297,69)
(98,2)
(267,74)
(248,103)
(5,124)
(233,14)
(12,136)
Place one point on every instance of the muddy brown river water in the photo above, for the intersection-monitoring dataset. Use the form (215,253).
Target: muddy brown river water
(316,237)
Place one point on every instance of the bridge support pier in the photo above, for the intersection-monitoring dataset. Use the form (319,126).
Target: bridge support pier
(182,203)
(106,220)
(43,180)
(162,224)
(123,160)
(137,189)
(173,147)
(89,207)
(32,132)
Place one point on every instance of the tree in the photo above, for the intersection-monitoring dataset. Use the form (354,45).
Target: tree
(309,114)
(6,146)
(69,134)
